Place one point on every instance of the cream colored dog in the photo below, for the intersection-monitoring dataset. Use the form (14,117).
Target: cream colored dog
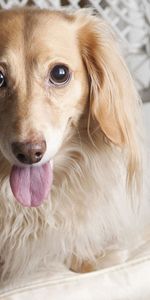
(70,145)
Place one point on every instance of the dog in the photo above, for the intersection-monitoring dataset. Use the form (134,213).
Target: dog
(72,161)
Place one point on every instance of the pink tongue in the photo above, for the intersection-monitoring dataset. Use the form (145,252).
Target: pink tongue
(30,185)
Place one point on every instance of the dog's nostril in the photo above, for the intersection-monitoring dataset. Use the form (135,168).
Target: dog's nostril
(21,157)
(38,154)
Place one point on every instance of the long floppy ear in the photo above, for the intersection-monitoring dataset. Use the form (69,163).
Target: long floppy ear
(113,97)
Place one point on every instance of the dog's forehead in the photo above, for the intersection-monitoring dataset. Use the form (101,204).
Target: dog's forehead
(38,33)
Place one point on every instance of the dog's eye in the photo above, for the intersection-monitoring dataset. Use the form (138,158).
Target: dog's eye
(59,75)
(2,80)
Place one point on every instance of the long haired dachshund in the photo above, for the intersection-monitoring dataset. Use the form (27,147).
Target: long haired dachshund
(71,158)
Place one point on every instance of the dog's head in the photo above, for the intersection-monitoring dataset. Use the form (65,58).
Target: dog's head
(53,67)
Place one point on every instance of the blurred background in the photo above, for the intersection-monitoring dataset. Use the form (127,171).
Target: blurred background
(130,19)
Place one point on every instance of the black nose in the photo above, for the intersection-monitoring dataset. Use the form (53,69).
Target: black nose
(29,153)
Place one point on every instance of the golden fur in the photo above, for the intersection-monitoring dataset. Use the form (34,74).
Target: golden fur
(97,161)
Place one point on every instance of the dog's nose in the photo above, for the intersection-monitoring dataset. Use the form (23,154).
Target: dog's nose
(29,153)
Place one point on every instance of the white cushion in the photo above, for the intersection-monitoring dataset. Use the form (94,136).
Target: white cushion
(127,281)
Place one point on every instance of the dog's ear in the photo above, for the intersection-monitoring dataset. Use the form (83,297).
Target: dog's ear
(114,101)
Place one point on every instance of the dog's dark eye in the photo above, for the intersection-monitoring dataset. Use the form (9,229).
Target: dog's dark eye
(2,80)
(59,75)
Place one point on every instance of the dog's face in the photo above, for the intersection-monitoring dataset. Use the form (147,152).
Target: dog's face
(54,67)
(43,84)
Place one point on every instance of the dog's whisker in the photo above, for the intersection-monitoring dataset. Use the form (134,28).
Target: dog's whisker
(80,140)
(95,130)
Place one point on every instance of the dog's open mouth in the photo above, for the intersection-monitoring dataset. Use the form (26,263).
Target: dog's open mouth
(30,185)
